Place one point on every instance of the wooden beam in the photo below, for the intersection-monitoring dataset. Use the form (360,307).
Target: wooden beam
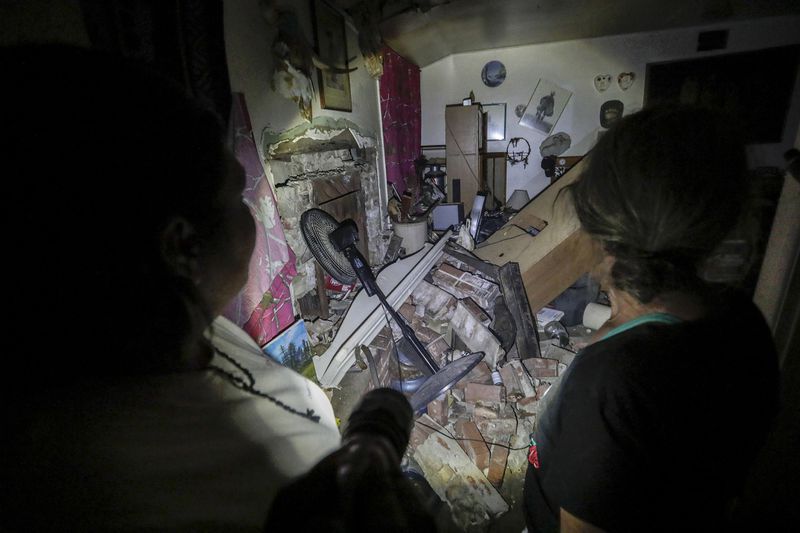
(514,294)
(553,255)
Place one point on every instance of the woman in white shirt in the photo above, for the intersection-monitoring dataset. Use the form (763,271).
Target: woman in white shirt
(139,410)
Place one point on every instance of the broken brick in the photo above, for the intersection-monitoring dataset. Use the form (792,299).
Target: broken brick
(472,443)
(528,406)
(477,311)
(425,334)
(455,478)
(495,429)
(463,284)
(480,374)
(475,335)
(497,462)
(438,350)
(407,311)
(483,412)
(439,304)
(540,367)
(476,392)
(528,385)
(439,410)
(511,382)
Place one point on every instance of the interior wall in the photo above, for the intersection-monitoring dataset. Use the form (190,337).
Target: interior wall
(573,65)
(248,43)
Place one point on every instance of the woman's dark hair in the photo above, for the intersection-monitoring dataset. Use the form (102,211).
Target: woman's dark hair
(100,155)
(661,189)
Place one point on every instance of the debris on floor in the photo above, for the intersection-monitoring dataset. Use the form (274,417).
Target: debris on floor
(472,444)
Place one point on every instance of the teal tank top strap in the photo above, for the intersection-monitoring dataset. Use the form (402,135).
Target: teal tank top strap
(662,318)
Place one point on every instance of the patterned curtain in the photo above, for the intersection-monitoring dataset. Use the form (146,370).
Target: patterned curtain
(264,307)
(400,108)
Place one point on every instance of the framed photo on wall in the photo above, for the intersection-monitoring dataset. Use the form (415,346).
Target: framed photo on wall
(495,121)
(545,106)
(331,43)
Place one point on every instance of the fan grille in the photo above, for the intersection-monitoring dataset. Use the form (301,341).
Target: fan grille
(316,225)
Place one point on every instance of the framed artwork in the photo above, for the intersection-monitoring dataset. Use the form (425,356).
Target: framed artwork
(331,42)
(544,108)
(495,121)
(292,348)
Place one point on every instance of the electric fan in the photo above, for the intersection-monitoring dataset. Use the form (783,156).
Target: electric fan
(333,245)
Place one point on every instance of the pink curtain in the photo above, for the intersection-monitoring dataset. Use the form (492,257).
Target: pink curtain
(264,306)
(400,107)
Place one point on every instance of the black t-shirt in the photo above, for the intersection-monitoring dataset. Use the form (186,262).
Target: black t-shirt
(654,428)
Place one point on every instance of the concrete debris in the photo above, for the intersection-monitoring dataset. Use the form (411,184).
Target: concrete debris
(320,331)
(472,443)
(490,420)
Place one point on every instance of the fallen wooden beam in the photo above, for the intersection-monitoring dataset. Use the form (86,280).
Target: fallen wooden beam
(546,240)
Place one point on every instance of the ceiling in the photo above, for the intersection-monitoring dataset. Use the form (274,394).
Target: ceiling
(425,31)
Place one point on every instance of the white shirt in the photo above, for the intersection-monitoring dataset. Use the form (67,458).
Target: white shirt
(184,451)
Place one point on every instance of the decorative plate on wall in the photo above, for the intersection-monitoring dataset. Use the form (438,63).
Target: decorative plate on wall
(493,73)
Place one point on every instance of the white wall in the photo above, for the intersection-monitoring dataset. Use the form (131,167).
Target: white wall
(573,65)
(248,45)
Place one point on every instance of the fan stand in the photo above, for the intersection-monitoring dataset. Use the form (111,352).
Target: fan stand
(439,380)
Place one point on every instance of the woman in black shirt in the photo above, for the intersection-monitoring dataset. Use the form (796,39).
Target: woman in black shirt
(656,422)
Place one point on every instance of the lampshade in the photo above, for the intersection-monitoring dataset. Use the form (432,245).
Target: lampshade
(518,199)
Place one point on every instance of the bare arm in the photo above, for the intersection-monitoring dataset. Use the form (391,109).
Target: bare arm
(572,524)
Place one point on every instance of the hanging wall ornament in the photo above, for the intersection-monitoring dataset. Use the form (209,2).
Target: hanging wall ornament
(610,112)
(516,152)
(519,110)
(625,80)
(493,73)
(556,144)
(602,82)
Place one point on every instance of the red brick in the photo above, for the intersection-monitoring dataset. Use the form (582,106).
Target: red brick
(480,374)
(439,410)
(539,367)
(476,392)
(438,350)
(497,463)
(477,311)
(472,442)
(511,383)
(407,311)
(425,334)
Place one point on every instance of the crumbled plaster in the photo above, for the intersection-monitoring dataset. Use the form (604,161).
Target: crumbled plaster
(322,134)
(325,148)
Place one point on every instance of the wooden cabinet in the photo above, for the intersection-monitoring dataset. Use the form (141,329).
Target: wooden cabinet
(464,146)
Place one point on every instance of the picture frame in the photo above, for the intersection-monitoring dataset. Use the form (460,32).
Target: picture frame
(495,121)
(331,46)
(545,106)
(292,348)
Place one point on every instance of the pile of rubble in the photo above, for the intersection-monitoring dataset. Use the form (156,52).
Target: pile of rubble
(471,446)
